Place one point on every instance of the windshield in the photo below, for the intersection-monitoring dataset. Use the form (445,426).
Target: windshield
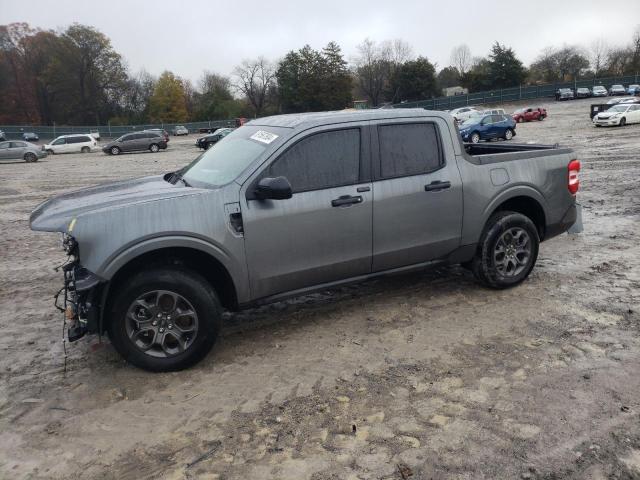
(565,90)
(229,157)
(473,120)
(617,86)
(618,108)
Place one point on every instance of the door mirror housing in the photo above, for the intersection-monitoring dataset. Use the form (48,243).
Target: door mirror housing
(273,188)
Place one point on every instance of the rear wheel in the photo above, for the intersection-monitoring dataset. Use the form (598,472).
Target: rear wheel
(508,134)
(154,148)
(507,250)
(164,319)
(520,119)
(85,149)
(475,137)
(114,151)
(30,157)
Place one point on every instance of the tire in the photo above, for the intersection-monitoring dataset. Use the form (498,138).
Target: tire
(207,146)
(162,285)
(153,148)
(520,120)
(50,152)
(623,122)
(475,137)
(540,118)
(508,134)
(114,151)
(85,150)
(30,157)
(497,270)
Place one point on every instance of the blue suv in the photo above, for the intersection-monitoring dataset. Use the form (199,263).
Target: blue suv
(488,127)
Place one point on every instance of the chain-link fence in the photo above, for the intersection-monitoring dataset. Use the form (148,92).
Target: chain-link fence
(513,94)
(107,131)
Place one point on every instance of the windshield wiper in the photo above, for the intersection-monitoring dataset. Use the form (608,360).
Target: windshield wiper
(178,177)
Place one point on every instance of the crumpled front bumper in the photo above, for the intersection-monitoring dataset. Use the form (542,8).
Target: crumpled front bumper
(79,299)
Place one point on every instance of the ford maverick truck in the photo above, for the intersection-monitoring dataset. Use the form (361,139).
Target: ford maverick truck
(289,204)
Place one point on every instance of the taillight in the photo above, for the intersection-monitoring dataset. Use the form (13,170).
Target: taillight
(574,182)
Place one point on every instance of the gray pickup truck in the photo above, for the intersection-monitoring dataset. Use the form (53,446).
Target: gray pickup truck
(289,204)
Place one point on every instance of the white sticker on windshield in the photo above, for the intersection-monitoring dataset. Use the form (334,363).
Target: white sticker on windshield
(264,137)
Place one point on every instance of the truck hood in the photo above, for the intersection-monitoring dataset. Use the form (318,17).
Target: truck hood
(56,214)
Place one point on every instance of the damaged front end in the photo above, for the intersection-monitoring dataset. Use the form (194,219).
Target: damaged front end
(79,298)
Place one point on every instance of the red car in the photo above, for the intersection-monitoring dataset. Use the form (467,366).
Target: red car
(528,114)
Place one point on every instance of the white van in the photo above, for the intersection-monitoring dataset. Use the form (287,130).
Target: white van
(84,143)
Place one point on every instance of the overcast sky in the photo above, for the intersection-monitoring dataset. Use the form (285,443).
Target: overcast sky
(189,36)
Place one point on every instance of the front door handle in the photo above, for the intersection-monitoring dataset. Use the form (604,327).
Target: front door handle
(436,186)
(346,200)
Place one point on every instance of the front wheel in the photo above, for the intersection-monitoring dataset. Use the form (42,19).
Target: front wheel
(114,151)
(623,122)
(540,118)
(475,138)
(507,250)
(508,134)
(520,120)
(164,319)
(85,150)
(154,148)
(50,152)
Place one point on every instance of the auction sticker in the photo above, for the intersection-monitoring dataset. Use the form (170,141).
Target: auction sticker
(264,137)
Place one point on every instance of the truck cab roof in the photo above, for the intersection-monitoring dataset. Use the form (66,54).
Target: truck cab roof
(303,121)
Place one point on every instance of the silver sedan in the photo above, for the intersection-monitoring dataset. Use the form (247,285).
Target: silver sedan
(20,150)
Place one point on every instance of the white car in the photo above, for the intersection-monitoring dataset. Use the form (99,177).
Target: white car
(463,113)
(180,130)
(84,143)
(599,91)
(618,115)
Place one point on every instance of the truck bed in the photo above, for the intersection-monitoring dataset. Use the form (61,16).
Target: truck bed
(483,153)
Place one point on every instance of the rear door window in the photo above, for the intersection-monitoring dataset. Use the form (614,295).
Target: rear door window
(408,149)
(18,144)
(322,160)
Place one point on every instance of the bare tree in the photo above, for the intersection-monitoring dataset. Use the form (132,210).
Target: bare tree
(371,69)
(254,79)
(598,52)
(210,81)
(396,51)
(461,58)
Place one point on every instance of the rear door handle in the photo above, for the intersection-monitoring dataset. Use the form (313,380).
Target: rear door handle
(437,185)
(346,200)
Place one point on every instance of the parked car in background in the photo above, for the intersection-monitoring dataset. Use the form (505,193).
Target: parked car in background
(180,130)
(488,127)
(583,92)
(18,150)
(564,94)
(134,142)
(617,90)
(614,101)
(494,111)
(208,141)
(629,100)
(599,91)
(161,132)
(463,113)
(618,115)
(528,114)
(2,137)
(30,137)
(72,143)
(634,89)
(301,220)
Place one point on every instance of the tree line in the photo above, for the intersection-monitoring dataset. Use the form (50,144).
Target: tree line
(75,76)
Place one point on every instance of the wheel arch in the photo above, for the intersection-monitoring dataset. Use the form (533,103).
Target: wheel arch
(186,254)
(525,203)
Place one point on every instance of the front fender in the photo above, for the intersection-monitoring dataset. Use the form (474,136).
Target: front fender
(115,262)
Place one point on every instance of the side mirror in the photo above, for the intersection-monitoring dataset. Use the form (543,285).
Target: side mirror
(277,188)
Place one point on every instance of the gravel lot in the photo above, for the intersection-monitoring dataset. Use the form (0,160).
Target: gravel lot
(425,376)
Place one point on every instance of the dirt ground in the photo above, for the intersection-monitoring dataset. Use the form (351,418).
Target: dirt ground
(425,376)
